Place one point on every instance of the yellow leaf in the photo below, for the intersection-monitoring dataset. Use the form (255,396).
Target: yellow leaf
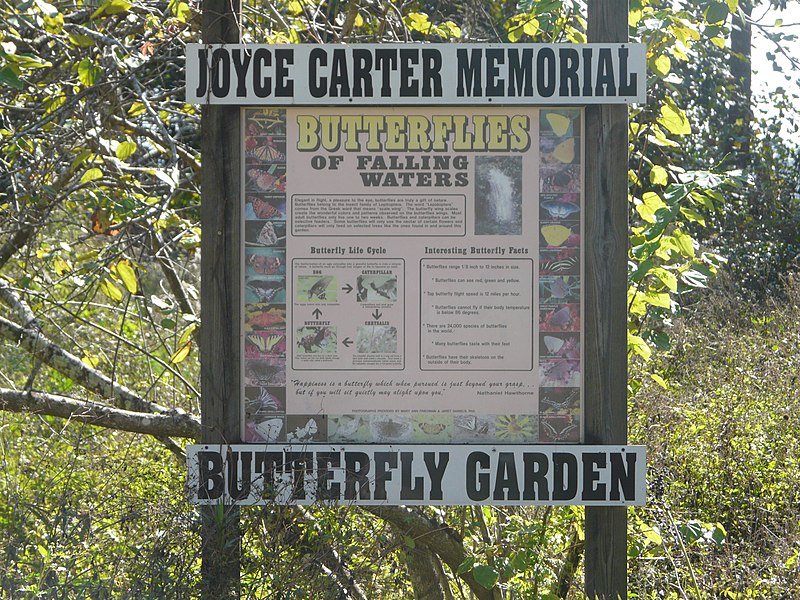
(91,175)
(659,299)
(684,242)
(674,119)
(662,65)
(127,275)
(668,279)
(658,175)
(181,353)
(638,346)
(660,381)
(531,27)
(111,290)
(125,150)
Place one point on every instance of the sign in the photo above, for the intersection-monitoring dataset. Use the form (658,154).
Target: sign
(417,475)
(415,74)
(412,276)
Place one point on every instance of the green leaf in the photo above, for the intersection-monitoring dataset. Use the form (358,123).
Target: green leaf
(486,576)
(651,202)
(669,279)
(88,72)
(182,11)
(658,175)
(674,119)
(693,215)
(716,13)
(128,275)
(467,565)
(9,78)
(662,65)
(125,150)
(91,175)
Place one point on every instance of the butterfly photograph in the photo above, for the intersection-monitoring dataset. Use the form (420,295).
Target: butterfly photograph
(557,178)
(261,316)
(261,401)
(347,428)
(556,207)
(265,431)
(267,289)
(559,399)
(559,428)
(559,372)
(258,207)
(560,122)
(271,179)
(561,317)
(472,427)
(431,428)
(560,345)
(559,152)
(260,344)
(561,261)
(265,261)
(265,150)
(265,372)
(559,289)
(265,233)
(306,428)
(315,288)
(555,234)
(265,121)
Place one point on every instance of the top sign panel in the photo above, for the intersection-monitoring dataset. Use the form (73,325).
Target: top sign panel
(415,74)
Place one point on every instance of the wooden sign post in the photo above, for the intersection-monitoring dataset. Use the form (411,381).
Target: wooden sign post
(606,285)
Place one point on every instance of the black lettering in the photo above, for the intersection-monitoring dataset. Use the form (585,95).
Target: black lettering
(266,463)
(605,74)
(591,462)
(410,489)
(587,71)
(494,85)
(546,72)
(477,484)
(469,72)
(520,73)
(384,461)
(568,61)
(202,85)
(317,85)
(409,86)
(239,489)
(622,477)
(362,73)
(211,482)
(386,62)
(284,87)
(431,73)
(356,478)
(326,488)
(626,88)
(535,465)
(506,478)
(436,472)
(221,72)
(241,60)
(565,464)
(262,84)
(301,464)
(340,81)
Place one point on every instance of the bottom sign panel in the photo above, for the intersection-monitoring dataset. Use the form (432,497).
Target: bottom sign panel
(416,474)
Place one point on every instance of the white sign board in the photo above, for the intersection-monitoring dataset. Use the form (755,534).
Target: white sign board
(415,74)
(417,475)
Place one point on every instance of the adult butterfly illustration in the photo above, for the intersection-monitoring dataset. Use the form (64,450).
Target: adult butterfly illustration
(559,209)
(558,319)
(267,152)
(559,265)
(551,399)
(271,344)
(567,432)
(265,290)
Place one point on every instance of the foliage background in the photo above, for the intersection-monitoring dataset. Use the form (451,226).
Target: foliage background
(99,239)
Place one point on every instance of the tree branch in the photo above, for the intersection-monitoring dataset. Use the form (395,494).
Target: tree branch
(71,366)
(438,538)
(95,413)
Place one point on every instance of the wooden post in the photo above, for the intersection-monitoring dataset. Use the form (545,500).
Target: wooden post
(220,306)
(606,306)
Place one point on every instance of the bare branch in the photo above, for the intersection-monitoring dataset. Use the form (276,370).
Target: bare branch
(96,413)
(71,366)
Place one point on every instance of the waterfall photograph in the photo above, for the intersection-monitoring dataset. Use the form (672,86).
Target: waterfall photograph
(498,195)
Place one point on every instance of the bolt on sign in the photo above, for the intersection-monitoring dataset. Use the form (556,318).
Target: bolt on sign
(412,270)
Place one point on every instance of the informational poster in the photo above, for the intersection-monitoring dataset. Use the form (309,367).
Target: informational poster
(412,275)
